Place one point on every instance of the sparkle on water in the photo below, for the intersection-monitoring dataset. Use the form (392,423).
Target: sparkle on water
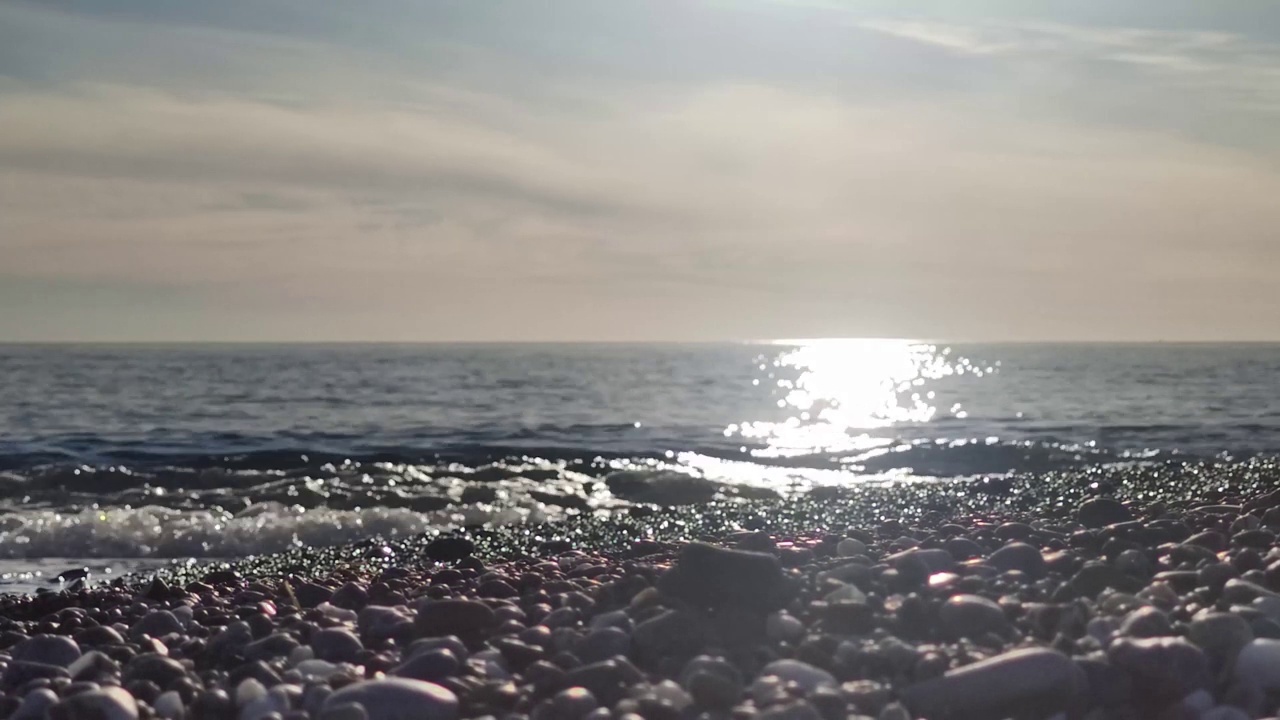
(834,391)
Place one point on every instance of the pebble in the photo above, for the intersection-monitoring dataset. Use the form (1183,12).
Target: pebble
(1100,512)
(398,699)
(1162,669)
(709,576)
(431,666)
(969,616)
(34,704)
(1220,635)
(1036,681)
(336,645)
(1018,556)
(808,677)
(1146,622)
(156,623)
(168,705)
(783,627)
(111,703)
(47,650)
(850,547)
(1258,663)
(453,617)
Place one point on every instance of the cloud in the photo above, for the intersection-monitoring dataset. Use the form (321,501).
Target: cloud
(316,188)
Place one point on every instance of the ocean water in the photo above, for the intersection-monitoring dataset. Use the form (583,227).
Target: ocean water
(118,456)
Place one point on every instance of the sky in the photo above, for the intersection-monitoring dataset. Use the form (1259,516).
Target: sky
(451,170)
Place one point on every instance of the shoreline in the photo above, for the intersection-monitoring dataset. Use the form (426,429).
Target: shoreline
(1135,594)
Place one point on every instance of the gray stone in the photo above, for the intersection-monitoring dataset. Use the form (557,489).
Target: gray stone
(110,703)
(1102,511)
(1259,663)
(808,677)
(1018,556)
(1034,682)
(34,704)
(156,623)
(709,576)
(430,666)
(47,649)
(1220,635)
(1163,670)
(398,699)
(603,644)
(336,645)
(1146,622)
(436,618)
(969,616)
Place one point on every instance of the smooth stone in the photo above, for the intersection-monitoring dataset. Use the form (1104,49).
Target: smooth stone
(169,705)
(1146,622)
(1102,511)
(571,704)
(335,645)
(317,669)
(1259,663)
(156,668)
(34,704)
(156,623)
(378,622)
(808,677)
(110,703)
(1221,635)
(1094,577)
(344,711)
(449,549)
(1243,592)
(603,644)
(710,576)
(453,617)
(1163,669)
(783,627)
(713,682)
(278,700)
(93,664)
(968,616)
(672,634)
(449,642)
(1018,556)
(1225,712)
(430,666)
(398,699)
(963,548)
(1034,682)
(850,547)
(794,710)
(47,650)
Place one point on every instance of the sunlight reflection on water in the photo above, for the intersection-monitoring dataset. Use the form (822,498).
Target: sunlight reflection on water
(834,391)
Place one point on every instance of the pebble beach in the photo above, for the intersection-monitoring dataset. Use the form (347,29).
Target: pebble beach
(1139,593)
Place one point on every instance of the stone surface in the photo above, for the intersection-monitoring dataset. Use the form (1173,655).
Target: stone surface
(398,699)
(1036,682)
(1102,511)
(971,616)
(1162,669)
(47,650)
(808,677)
(709,576)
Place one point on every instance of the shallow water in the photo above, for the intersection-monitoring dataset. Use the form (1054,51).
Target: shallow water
(226,451)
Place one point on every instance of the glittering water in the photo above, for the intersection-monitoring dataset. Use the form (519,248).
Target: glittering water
(119,451)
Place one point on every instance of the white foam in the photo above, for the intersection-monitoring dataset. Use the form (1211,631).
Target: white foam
(156,532)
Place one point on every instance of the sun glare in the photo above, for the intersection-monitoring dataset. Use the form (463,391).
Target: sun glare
(834,391)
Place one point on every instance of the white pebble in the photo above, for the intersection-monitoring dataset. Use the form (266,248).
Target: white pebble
(673,694)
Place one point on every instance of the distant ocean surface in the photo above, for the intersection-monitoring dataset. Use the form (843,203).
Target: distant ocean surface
(214,451)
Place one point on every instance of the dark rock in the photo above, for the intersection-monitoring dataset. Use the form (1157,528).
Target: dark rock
(1102,511)
(1221,636)
(1033,682)
(449,549)
(708,576)
(47,649)
(351,596)
(336,645)
(453,617)
(1146,622)
(430,666)
(156,623)
(156,668)
(1095,577)
(1018,556)
(674,634)
(1163,670)
(310,594)
(971,616)
(398,699)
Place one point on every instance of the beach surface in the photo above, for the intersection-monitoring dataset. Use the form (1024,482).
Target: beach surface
(1125,594)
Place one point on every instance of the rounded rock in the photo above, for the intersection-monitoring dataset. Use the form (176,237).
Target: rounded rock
(398,699)
(1034,682)
(808,677)
(971,616)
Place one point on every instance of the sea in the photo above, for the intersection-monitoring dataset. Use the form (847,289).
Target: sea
(116,458)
